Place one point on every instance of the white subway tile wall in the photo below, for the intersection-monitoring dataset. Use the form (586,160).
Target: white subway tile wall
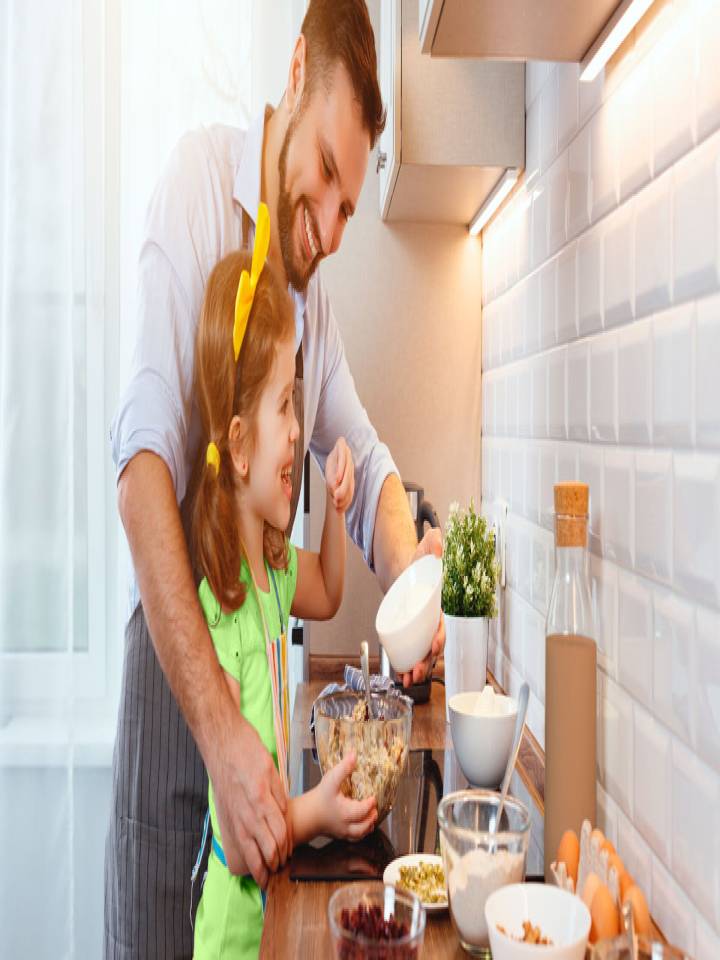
(652,246)
(705,686)
(635,382)
(673,648)
(707,351)
(589,291)
(604,580)
(635,648)
(577,390)
(603,388)
(601,358)
(619,496)
(672,377)
(591,472)
(566,305)
(579,183)
(618,257)
(636,130)
(653,514)
(652,774)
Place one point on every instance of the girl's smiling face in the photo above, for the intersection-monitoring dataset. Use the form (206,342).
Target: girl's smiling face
(266,488)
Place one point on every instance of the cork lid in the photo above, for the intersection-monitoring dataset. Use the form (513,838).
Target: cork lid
(571,499)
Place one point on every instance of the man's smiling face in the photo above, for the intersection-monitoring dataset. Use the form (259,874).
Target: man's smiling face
(322,166)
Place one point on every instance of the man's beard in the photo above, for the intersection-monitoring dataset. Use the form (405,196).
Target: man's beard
(296,277)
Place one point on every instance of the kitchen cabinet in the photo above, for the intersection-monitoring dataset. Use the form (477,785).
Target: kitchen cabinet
(453,127)
(512,29)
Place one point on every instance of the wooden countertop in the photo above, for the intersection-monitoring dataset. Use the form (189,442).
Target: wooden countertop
(296,918)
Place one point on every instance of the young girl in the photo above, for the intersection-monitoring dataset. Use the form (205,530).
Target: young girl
(253,577)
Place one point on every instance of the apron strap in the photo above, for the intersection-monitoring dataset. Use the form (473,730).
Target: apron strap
(193,875)
(299,459)
(276,653)
(281,651)
(277,598)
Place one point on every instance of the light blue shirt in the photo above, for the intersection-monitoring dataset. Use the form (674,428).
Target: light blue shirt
(194,220)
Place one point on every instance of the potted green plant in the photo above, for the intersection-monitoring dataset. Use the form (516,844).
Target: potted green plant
(470,575)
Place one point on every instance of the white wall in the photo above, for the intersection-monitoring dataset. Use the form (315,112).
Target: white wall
(601,350)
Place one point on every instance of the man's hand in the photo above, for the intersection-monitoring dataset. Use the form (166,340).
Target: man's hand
(251,806)
(430,543)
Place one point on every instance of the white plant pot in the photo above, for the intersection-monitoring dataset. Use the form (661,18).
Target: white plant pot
(466,650)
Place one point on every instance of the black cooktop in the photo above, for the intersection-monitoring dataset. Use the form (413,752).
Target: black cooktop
(410,827)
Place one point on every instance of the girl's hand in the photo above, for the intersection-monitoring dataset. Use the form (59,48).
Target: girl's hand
(345,818)
(340,476)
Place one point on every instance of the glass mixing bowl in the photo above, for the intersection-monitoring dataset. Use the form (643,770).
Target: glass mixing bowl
(380,743)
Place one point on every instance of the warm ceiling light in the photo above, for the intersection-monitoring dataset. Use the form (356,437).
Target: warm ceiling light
(614,32)
(501,189)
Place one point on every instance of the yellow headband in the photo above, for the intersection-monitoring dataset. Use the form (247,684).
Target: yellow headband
(248,282)
(243,304)
(212,457)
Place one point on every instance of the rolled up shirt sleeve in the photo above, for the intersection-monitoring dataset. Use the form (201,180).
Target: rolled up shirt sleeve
(177,254)
(341,414)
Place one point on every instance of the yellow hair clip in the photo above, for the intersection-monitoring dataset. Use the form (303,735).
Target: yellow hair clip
(248,282)
(212,457)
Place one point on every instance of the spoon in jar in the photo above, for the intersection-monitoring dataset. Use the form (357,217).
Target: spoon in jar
(517,737)
(364,663)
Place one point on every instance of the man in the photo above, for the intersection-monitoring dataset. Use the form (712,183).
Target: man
(307,160)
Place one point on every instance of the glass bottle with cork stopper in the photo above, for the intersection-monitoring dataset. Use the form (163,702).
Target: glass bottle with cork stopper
(570,676)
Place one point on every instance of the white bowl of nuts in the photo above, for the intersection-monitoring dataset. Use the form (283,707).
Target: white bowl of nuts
(532,920)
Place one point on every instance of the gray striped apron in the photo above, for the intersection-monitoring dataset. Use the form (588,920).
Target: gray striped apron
(159,792)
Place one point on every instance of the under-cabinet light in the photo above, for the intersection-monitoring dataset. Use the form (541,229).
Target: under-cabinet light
(501,189)
(614,32)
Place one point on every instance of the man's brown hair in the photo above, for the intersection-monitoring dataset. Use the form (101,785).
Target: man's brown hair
(340,31)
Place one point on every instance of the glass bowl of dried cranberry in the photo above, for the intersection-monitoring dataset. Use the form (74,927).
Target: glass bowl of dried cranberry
(375,921)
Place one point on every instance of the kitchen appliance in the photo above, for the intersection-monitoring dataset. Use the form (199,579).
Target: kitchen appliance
(422,512)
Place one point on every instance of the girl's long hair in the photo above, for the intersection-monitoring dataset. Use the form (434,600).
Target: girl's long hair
(223,390)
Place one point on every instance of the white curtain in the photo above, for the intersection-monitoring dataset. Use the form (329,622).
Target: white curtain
(93,95)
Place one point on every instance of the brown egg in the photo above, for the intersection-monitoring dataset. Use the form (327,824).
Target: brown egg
(626,881)
(592,882)
(569,853)
(604,916)
(641,914)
